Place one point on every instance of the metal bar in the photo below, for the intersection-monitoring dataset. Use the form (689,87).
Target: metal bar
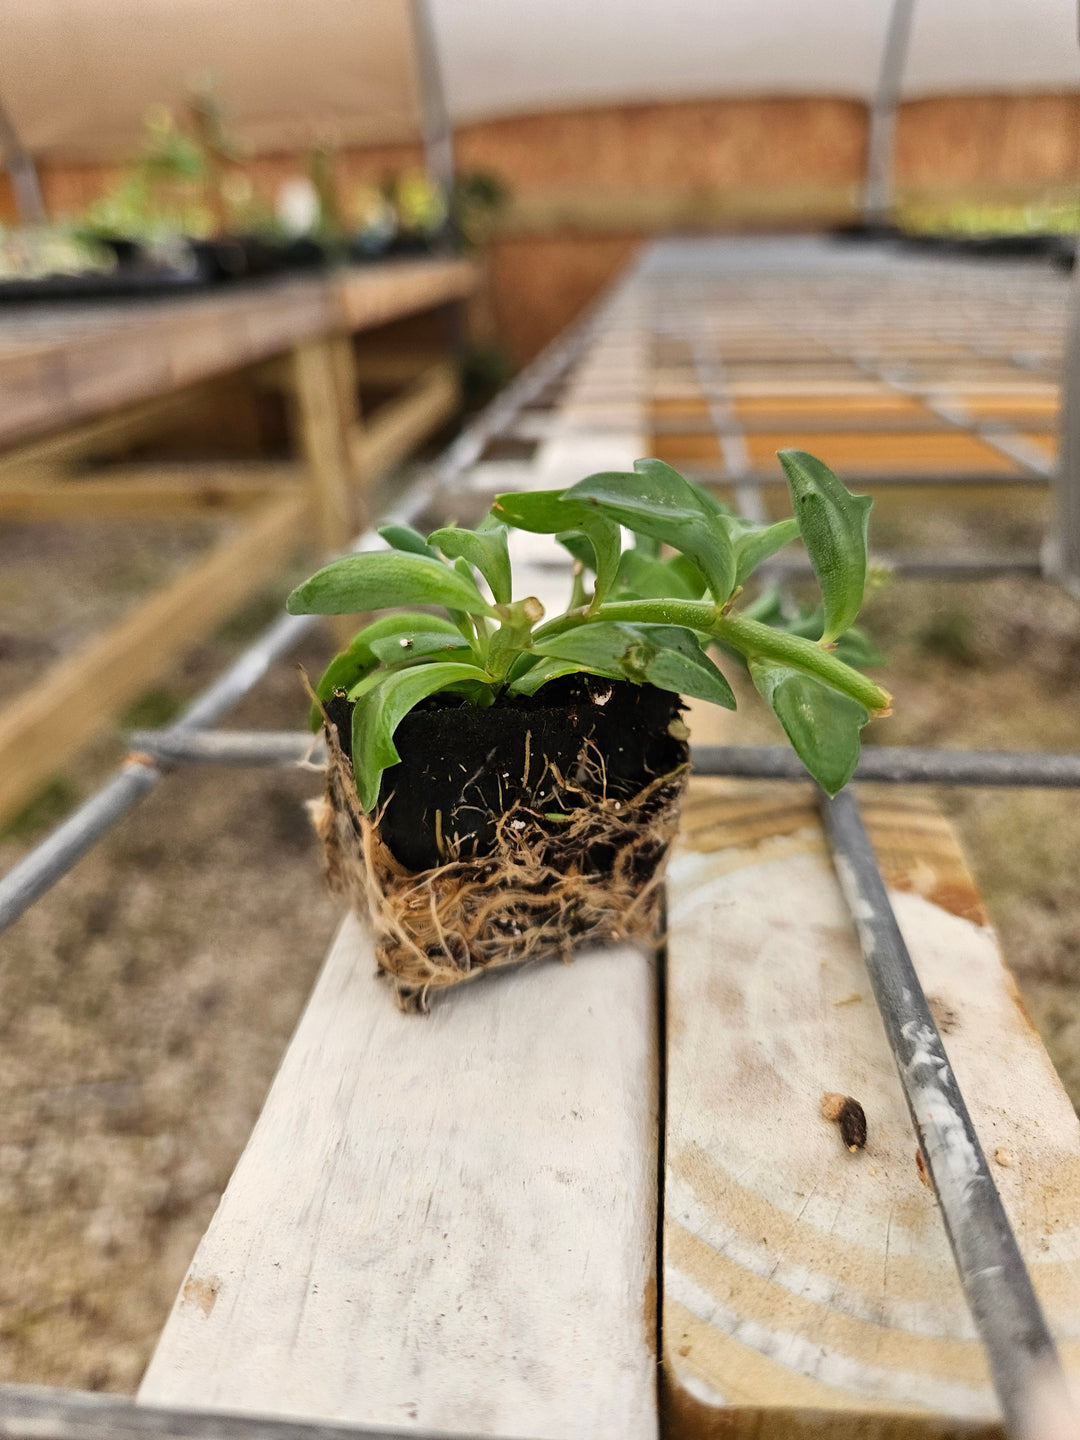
(924,565)
(885,764)
(49,861)
(25,185)
(1062,552)
(900,765)
(710,475)
(39,1413)
(58,852)
(168,748)
(1020,1350)
(438,135)
(900,424)
(877,191)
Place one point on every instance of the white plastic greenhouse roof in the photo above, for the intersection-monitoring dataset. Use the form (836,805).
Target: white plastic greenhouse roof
(514,56)
(77,76)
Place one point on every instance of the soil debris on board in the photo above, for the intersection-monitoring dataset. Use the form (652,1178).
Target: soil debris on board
(846,1112)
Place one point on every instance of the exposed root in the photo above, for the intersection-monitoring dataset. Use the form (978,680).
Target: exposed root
(588,872)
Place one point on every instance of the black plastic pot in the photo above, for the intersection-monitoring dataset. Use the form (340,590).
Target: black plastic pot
(463,768)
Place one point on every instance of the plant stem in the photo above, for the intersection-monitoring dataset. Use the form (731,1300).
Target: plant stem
(749,637)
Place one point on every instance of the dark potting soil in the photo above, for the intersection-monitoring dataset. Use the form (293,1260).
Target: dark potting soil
(461,768)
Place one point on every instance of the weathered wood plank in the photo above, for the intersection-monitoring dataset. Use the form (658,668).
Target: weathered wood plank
(64,366)
(799,1277)
(323,419)
(444,1223)
(79,694)
(149,490)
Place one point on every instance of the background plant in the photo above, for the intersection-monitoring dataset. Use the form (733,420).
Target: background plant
(647,613)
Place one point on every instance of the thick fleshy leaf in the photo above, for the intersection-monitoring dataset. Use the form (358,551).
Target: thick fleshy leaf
(667,656)
(353,663)
(754,543)
(381,579)
(649,579)
(417,645)
(765,643)
(404,537)
(546,668)
(541,512)
(485,549)
(379,711)
(655,500)
(822,725)
(580,547)
(549,512)
(833,523)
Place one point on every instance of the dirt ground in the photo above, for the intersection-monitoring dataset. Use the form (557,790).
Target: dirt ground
(145,1002)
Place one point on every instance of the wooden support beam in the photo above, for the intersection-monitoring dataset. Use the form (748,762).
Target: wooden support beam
(54,452)
(324,419)
(49,723)
(397,427)
(394,367)
(148,491)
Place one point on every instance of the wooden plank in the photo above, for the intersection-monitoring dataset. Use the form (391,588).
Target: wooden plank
(47,724)
(323,421)
(149,491)
(810,1290)
(370,296)
(444,1222)
(64,367)
(395,429)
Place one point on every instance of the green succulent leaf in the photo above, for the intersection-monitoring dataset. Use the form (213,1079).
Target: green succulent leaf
(486,550)
(650,579)
(655,500)
(822,725)
(380,579)
(417,645)
(549,512)
(404,537)
(580,548)
(754,543)
(541,512)
(379,710)
(667,656)
(833,523)
(353,663)
(530,679)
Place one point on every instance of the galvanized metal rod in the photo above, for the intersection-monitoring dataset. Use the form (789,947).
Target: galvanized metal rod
(1019,1347)
(900,765)
(25,185)
(881,764)
(1062,551)
(49,861)
(878,187)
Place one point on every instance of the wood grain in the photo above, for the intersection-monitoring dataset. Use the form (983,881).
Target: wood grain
(59,367)
(799,1277)
(446,1222)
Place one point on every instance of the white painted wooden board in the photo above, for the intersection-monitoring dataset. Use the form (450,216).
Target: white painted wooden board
(446,1222)
(806,1286)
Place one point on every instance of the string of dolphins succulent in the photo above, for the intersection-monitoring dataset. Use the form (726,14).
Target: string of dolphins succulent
(647,614)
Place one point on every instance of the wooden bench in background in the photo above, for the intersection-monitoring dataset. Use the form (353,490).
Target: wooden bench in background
(80,383)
